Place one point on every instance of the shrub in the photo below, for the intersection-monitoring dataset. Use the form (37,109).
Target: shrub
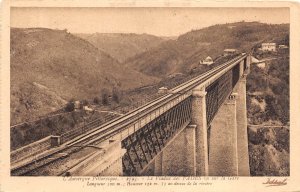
(97,100)
(116,95)
(104,96)
(70,106)
(85,102)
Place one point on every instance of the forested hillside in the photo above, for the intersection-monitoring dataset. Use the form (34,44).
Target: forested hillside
(50,67)
(268,107)
(268,89)
(183,54)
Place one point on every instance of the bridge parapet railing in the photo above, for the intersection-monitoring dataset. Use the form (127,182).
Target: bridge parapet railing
(153,98)
(30,150)
(83,129)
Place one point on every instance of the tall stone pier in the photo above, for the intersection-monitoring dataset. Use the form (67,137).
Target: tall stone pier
(242,135)
(199,120)
(223,154)
(228,138)
(178,158)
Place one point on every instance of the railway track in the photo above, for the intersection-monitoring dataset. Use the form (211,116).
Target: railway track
(117,125)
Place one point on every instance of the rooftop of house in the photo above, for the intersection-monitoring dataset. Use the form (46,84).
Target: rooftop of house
(229,50)
(268,44)
(208,58)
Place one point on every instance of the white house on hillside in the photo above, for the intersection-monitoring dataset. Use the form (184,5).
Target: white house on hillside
(207,61)
(163,90)
(268,46)
(229,52)
(283,47)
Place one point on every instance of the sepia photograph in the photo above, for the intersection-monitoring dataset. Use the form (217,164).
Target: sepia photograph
(149,96)
(158,91)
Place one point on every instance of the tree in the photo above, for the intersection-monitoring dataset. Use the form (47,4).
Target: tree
(104,96)
(70,106)
(85,102)
(116,94)
(97,100)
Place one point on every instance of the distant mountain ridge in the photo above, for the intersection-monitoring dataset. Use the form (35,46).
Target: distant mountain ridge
(183,54)
(122,46)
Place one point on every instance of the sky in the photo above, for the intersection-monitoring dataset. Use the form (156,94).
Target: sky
(155,21)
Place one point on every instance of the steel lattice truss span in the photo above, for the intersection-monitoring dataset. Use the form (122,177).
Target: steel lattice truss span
(218,91)
(143,145)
